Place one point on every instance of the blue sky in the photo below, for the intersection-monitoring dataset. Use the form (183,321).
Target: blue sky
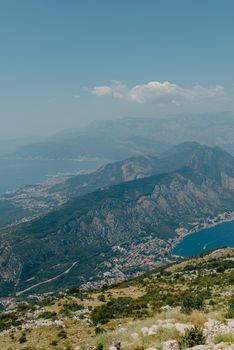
(64,63)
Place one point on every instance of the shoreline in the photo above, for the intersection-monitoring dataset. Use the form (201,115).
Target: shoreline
(208,223)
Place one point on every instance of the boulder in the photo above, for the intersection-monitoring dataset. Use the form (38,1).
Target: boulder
(134,335)
(116,345)
(170,345)
(182,327)
(145,330)
(153,330)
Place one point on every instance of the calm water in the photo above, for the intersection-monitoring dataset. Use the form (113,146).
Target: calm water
(15,173)
(211,238)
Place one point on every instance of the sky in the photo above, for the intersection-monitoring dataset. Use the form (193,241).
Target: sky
(64,63)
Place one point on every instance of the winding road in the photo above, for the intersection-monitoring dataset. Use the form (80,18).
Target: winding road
(47,281)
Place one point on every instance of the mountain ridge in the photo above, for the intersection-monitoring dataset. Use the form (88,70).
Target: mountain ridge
(39,199)
(137,218)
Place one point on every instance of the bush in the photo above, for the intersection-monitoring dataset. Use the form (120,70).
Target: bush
(192,337)
(46,302)
(116,308)
(62,334)
(54,343)
(224,338)
(8,320)
(99,330)
(100,347)
(102,298)
(22,339)
(48,315)
(76,292)
(190,303)
(230,313)
(68,309)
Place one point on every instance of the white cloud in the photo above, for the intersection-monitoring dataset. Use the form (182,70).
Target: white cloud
(158,91)
(101,90)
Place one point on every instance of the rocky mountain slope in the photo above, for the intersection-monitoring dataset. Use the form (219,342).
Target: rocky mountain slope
(117,232)
(187,305)
(42,198)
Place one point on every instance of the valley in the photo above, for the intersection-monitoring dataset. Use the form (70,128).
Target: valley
(117,222)
(117,175)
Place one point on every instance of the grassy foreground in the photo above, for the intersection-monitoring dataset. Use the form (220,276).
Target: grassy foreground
(140,313)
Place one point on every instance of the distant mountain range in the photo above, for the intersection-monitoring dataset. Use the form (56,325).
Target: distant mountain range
(116,217)
(126,137)
(42,198)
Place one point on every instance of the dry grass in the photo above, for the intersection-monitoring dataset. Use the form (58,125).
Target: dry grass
(125,330)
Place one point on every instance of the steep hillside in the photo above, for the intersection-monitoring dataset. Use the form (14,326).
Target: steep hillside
(110,231)
(175,307)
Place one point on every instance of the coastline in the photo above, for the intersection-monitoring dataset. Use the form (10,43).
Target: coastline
(208,223)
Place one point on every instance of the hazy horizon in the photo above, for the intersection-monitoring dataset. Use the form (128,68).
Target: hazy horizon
(65,65)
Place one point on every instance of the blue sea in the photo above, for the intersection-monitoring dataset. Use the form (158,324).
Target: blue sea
(215,237)
(16,173)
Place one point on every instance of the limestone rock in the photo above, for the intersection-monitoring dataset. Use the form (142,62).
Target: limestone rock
(170,345)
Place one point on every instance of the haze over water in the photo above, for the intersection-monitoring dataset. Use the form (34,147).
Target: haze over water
(15,173)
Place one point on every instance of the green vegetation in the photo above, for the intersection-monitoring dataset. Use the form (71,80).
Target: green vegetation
(230,313)
(59,239)
(192,337)
(69,308)
(22,339)
(102,298)
(48,315)
(189,292)
(62,334)
(100,346)
(8,320)
(190,303)
(224,338)
(116,308)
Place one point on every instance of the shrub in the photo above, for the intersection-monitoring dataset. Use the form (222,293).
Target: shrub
(102,298)
(47,301)
(224,338)
(22,339)
(115,308)
(230,313)
(62,334)
(190,303)
(99,330)
(76,292)
(48,315)
(7,320)
(192,337)
(54,343)
(68,309)
(100,347)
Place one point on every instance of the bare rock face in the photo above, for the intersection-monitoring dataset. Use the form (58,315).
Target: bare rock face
(10,266)
(170,345)
(214,327)
(115,346)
